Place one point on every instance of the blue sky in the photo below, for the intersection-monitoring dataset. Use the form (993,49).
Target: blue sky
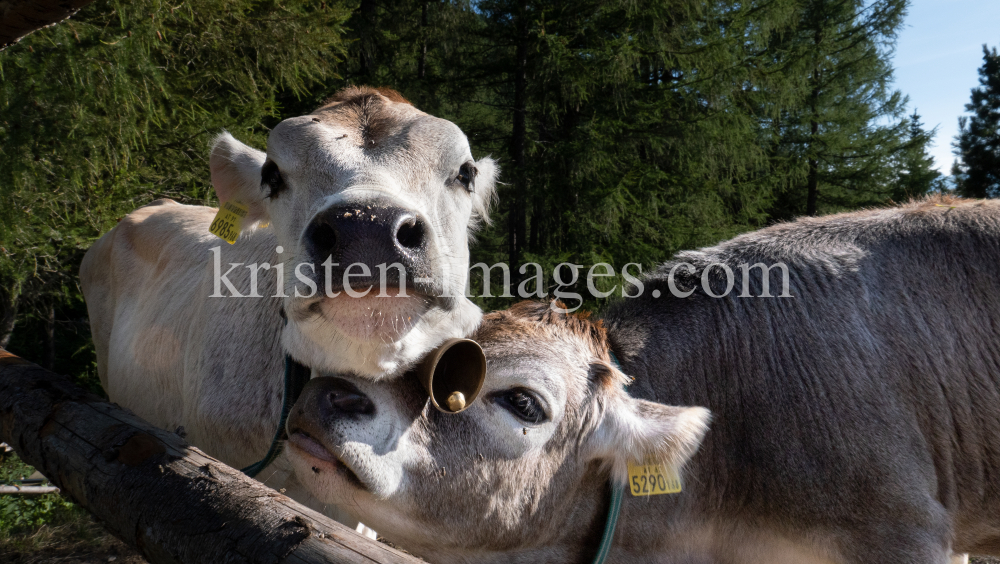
(937,57)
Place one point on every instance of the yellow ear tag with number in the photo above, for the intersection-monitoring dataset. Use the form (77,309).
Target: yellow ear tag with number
(229,221)
(652,479)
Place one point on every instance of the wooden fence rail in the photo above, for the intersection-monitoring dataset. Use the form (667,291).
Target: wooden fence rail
(155,492)
(27,490)
(18,18)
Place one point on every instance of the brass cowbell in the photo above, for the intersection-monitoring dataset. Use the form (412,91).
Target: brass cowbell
(453,374)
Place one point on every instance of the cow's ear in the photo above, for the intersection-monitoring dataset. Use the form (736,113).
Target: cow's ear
(236,174)
(484,193)
(644,431)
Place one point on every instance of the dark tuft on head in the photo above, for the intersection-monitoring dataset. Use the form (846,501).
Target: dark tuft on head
(368,110)
(530,319)
(362,96)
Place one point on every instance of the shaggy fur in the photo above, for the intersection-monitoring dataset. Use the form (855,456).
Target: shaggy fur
(854,422)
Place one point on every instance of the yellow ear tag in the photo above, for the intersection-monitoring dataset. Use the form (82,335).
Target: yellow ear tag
(652,479)
(229,221)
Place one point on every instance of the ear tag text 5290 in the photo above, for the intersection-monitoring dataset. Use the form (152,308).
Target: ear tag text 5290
(652,479)
(229,221)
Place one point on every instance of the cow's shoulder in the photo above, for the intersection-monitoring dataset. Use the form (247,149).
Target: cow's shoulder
(167,240)
(162,239)
(161,202)
(162,228)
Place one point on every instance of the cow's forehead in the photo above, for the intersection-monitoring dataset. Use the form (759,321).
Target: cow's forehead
(546,359)
(546,366)
(535,326)
(395,133)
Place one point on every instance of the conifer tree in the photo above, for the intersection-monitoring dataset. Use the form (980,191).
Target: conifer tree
(977,146)
(629,130)
(428,51)
(916,175)
(837,141)
(117,106)
(625,129)
(635,142)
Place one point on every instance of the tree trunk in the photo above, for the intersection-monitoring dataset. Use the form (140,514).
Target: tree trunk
(812,191)
(422,65)
(28,490)
(812,194)
(536,221)
(50,336)
(366,41)
(516,220)
(154,491)
(19,18)
(8,315)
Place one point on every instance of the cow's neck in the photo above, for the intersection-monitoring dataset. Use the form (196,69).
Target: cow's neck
(571,537)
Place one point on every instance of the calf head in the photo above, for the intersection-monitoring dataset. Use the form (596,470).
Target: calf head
(364,189)
(553,423)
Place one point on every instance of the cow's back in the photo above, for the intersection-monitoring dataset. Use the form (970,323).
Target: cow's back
(868,398)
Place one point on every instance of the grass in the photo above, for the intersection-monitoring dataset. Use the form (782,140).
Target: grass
(50,528)
(19,514)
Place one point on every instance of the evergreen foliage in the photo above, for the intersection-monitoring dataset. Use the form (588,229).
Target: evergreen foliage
(837,139)
(977,172)
(117,106)
(626,130)
(630,130)
(635,139)
(914,167)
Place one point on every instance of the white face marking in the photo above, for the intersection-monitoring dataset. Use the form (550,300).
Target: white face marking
(379,188)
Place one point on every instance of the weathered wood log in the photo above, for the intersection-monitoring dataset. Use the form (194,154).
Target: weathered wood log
(155,492)
(28,490)
(19,18)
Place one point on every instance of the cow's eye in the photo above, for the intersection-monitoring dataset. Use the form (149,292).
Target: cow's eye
(270,180)
(523,404)
(467,175)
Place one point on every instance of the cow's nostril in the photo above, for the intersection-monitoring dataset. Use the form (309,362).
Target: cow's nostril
(351,403)
(411,234)
(324,238)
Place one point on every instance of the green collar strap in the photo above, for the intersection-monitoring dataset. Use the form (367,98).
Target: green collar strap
(617,493)
(296,378)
